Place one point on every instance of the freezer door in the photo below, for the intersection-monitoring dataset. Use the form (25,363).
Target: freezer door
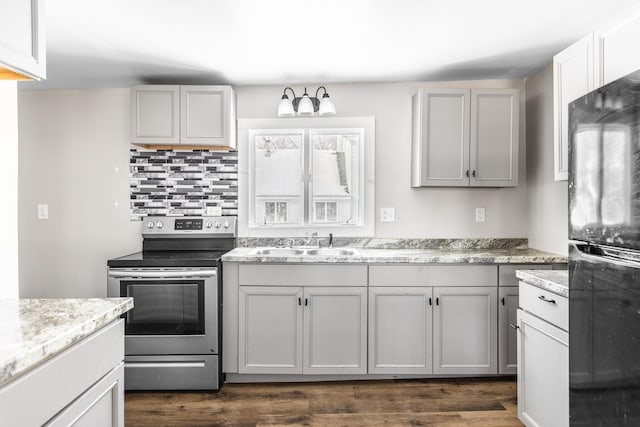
(604,335)
(604,173)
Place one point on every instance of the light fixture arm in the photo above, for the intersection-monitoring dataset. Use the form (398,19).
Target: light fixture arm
(325,92)
(285,93)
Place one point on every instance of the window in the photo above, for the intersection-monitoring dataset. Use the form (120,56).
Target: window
(310,177)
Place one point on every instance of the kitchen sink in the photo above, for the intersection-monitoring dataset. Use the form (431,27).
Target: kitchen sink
(279,251)
(332,252)
(310,252)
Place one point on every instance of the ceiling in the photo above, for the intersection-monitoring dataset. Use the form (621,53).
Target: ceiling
(108,43)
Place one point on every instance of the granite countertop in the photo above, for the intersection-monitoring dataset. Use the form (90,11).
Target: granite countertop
(418,256)
(34,330)
(556,281)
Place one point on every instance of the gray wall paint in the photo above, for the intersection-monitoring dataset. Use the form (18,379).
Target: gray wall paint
(547,199)
(71,142)
(9,188)
(420,212)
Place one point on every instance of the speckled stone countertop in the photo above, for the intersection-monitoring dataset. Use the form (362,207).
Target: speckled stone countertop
(556,281)
(412,256)
(34,330)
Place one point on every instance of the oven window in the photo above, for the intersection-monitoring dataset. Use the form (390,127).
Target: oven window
(167,307)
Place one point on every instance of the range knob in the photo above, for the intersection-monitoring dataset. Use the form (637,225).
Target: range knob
(217,224)
(150,224)
(208,224)
(226,224)
(159,224)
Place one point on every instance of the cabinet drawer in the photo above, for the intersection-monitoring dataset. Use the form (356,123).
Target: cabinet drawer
(302,275)
(433,275)
(546,305)
(507,272)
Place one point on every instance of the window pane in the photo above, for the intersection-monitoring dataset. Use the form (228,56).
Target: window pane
(336,175)
(277,177)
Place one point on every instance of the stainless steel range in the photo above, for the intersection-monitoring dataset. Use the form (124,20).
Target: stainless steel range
(173,334)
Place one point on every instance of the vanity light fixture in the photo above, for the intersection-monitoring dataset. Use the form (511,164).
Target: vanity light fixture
(305,105)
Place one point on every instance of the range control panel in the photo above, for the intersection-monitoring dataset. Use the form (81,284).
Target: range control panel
(201,226)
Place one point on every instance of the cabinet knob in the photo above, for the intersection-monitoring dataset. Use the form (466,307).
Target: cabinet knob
(467,173)
(513,326)
(473,174)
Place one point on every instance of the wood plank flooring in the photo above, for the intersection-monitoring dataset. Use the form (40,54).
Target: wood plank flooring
(424,402)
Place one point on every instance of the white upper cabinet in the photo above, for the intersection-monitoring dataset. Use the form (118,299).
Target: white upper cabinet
(187,115)
(494,137)
(575,73)
(618,47)
(465,137)
(22,38)
(440,138)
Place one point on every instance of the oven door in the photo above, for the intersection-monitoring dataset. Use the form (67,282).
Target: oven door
(175,310)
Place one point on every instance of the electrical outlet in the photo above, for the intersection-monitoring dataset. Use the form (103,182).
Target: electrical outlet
(43,211)
(479,214)
(387,214)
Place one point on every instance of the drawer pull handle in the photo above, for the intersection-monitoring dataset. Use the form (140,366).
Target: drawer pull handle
(552,301)
(514,326)
(299,301)
(430,301)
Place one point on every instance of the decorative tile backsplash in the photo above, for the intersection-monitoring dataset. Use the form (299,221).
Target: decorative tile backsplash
(177,183)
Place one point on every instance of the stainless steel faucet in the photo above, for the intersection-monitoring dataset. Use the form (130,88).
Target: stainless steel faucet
(330,240)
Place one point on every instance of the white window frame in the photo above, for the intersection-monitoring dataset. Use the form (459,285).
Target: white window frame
(246,201)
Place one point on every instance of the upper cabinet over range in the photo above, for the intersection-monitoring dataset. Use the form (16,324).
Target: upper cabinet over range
(595,60)
(183,115)
(465,138)
(22,40)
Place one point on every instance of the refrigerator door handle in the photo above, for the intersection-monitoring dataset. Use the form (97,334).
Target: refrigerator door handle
(630,258)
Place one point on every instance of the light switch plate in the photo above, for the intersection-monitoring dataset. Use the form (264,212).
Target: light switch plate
(479,214)
(387,214)
(43,211)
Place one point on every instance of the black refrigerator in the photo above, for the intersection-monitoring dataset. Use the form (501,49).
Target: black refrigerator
(604,255)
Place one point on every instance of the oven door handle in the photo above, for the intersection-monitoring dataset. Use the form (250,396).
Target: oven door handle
(161,274)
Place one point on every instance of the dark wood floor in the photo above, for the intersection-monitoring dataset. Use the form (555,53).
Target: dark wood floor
(427,402)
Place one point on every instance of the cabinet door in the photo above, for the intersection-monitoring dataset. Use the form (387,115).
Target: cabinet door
(155,114)
(616,43)
(102,405)
(464,330)
(400,330)
(270,330)
(543,372)
(335,330)
(575,73)
(204,115)
(441,138)
(494,137)
(507,337)
(22,38)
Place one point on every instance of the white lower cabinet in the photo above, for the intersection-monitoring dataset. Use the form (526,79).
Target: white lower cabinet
(507,336)
(400,330)
(464,331)
(543,372)
(296,330)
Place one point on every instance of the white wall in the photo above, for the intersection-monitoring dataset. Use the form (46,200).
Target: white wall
(547,199)
(71,143)
(9,188)
(420,212)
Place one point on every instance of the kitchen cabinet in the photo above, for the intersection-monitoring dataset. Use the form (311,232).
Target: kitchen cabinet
(82,385)
(464,332)
(616,44)
(416,327)
(302,330)
(400,330)
(183,115)
(22,40)
(576,71)
(507,337)
(465,138)
(543,358)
